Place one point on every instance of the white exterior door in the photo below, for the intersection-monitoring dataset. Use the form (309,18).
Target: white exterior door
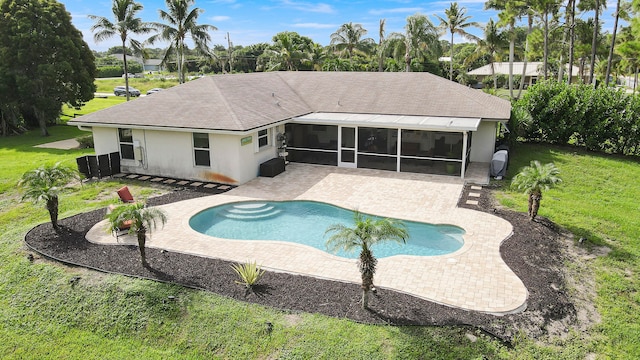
(347,150)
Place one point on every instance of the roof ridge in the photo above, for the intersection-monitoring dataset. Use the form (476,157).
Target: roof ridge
(223,97)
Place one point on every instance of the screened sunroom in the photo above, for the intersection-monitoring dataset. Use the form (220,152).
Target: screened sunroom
(420,144)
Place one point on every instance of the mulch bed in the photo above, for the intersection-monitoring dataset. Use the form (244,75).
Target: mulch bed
(534,252)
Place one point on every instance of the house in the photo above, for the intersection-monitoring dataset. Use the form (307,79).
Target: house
(533,71)
(221,128)
(147,64)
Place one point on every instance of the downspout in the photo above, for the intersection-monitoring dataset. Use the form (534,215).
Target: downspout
(465,136)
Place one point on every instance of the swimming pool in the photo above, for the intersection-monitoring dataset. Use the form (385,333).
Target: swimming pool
(305,222)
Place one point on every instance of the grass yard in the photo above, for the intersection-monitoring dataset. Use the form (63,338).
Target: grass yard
(599,200)
(44,314)
(144,84)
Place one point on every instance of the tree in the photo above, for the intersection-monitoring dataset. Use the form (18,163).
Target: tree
(44,62)
(348,38)
(381,45)
(419,40)
(44,184)
(597,6)
(142,218)
(366,233)
(510,12)
(533,179)
(126,22)
(182,22)
(289,51)
(456,21)
(492,46)
(544,8)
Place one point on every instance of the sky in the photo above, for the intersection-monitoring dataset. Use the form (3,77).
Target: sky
(250,22)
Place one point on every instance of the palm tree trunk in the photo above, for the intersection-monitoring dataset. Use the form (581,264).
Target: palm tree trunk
(613,44)
(142,238)
(451,60)
(594,44)
(367,270)
(512,46)
(526,51)
(534,204)
(546,43)
(572,36)
(126,68)
(407,59)
(52,207)
(493,74)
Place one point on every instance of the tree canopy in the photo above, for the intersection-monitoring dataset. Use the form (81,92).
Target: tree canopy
(44,62)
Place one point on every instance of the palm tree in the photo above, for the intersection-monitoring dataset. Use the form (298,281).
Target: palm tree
(381,45)
(613,44)
(44,184)
(492,45)
(182,23)
(419,40)
(366,233)
(289,50)
(141,218)
(533,179)
(544,8)
(126,22)
(456,21)
(348,38)
(510,12)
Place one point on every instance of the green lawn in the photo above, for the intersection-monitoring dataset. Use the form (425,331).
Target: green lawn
(107,85)
(43,315)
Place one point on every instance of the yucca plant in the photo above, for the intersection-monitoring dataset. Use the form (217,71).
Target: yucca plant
(249,273)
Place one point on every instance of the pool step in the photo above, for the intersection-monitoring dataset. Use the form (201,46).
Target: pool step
(251,211)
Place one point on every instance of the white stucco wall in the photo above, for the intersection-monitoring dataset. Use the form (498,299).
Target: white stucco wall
(170,154)
(483,142)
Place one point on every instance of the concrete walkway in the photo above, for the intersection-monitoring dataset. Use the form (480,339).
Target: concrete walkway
(61,145)
(473,278)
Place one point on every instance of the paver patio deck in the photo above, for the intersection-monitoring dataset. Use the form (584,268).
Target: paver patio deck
(473,278)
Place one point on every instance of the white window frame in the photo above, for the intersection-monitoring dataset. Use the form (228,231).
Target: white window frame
(120,143)
(267,136)
(207,149)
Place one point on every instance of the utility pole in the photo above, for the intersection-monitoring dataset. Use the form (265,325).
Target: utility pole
(230,51)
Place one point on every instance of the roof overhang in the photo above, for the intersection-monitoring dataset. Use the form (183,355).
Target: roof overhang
(431,123)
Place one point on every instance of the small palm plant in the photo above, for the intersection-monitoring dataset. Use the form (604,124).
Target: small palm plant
(533,179)
(249,273)
(141,219)
(366,233)
(44,184)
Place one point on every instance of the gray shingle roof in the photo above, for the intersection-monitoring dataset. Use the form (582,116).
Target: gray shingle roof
(241,102)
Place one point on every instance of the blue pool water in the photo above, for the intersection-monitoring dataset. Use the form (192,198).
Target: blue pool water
(305,222)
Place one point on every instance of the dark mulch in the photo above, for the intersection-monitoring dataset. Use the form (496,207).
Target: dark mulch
(534,252)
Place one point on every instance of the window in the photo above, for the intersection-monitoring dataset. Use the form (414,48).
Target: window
(263,138)
(201,149)
(126,143)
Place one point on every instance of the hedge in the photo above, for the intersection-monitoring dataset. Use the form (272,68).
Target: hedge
(600,119)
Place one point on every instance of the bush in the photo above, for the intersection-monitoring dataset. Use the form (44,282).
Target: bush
(602,119)
(86,141)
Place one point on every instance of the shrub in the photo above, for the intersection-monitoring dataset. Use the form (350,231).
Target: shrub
(249,273)
(85,141)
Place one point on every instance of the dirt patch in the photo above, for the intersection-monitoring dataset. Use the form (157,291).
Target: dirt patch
(560,297)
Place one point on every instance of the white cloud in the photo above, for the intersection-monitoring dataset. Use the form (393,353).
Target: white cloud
(409,10)
(310,7)
(220,18)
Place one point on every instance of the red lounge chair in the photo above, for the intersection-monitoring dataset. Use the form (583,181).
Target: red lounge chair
(123,229)
(125,195)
